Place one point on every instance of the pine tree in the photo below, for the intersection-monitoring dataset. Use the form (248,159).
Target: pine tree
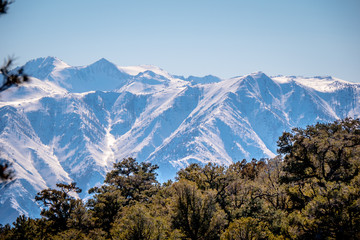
(321,173)
(59,205)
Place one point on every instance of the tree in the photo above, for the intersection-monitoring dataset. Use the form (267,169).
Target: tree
(135,223)
(136,181)
(25,228)
(4,5)
(247,229)
(59,205)
(196,214)
(325,152)
(129,183)
(6,173)
(321,173)
(12,78)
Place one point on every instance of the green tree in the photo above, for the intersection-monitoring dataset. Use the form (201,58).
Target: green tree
(24,228)
(70,234)
(321,173)
(209,177)
(325,152)
(135,181)
(59,205)
(129,183)
(243,193)
(247,229)
(135,223)
(196,214)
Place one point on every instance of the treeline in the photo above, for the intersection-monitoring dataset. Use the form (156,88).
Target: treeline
(310,191)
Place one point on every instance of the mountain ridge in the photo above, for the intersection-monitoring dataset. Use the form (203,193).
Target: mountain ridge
(73,123)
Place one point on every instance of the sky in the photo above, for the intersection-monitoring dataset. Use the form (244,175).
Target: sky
(225,38)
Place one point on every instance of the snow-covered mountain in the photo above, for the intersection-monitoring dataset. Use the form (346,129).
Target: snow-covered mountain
(72,123)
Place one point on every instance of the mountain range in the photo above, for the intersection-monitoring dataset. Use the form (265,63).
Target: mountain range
(70,124)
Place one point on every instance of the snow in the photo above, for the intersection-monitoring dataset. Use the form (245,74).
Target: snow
(320,84)
(72,123)
(30,91)
(135,70)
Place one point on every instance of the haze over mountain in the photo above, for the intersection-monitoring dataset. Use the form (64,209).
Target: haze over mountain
(72,123)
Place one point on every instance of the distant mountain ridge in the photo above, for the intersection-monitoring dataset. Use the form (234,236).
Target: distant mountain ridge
(72,123)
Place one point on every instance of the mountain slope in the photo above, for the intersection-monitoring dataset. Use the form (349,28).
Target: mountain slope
(73,123)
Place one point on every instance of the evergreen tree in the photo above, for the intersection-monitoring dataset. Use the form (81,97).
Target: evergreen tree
(196,214)
(59,205)
(4,5)
(321,173)
(129,183)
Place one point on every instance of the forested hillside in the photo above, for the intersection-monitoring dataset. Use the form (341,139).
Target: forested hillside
(311,190)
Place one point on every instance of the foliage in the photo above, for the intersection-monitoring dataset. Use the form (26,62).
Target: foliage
(195,212)
(136,222)
(324,152)
(12,78)
(4,5)
(321,166)
(59,206)
(129,183)
(310,191)
(6,172)
(246,228)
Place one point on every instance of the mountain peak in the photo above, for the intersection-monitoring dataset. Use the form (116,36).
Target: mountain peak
(42,67)
(46,62)
(258,74)
(203,80)
(102,62)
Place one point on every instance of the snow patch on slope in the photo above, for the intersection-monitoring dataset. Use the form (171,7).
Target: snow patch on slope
(320,84)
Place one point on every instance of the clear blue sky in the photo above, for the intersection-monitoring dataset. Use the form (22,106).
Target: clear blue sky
(225,38)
